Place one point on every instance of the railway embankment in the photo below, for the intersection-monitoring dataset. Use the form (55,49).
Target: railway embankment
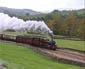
(60,55)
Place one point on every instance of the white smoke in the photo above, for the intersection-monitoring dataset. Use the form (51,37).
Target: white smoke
(13,23)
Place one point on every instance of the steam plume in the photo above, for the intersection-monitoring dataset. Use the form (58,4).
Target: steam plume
(13,23)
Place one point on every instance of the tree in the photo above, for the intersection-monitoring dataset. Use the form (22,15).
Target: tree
(69,25)
(57,23)
(81,29)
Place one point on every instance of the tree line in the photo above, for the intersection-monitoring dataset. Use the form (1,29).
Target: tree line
(71,24)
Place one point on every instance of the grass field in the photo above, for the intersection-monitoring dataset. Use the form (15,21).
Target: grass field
(16,57)
(78,45)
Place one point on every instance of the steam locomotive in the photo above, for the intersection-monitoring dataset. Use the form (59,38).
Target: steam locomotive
(35,41)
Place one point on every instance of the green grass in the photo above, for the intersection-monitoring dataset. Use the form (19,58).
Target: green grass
(78,45)
(16,57)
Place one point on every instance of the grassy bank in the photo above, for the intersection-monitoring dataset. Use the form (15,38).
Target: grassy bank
(16,57)
(78,45)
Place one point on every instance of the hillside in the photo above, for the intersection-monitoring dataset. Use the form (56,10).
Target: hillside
(17,57)
(66,12)
(18,12)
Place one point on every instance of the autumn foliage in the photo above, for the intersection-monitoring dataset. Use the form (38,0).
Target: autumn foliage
(71,24)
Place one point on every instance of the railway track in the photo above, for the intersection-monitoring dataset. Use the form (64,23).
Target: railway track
(66,56)
(60,55)
(70,55)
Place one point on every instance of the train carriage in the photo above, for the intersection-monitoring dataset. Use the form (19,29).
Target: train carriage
(28,40)
(1,36)
(23,39)
(9,37)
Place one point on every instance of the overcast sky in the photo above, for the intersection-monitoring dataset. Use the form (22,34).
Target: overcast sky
(43,5)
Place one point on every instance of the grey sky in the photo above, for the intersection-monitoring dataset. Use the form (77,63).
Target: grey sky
(43,5)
